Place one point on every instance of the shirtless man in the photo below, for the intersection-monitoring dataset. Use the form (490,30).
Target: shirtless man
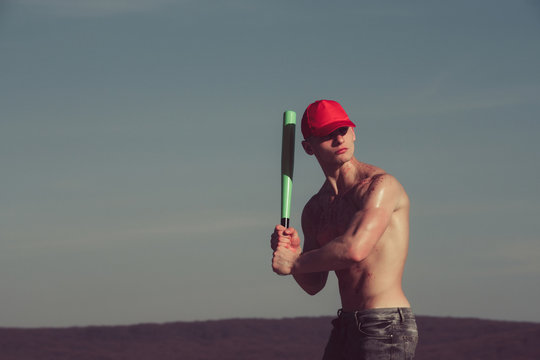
(357,225)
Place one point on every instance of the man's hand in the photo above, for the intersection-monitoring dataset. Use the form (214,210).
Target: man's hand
(286,245)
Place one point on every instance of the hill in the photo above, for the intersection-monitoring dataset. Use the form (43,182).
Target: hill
(261,339)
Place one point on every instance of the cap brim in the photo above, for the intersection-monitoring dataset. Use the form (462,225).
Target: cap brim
(325,130)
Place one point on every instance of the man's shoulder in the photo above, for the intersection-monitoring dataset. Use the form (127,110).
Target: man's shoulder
(382,179)
(369,182)
(372,176)
(313,204)
(317,200)
(377,185)
(316,204)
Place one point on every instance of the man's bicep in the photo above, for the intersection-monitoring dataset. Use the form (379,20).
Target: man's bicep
(373,220)
(365,230)
(368,225)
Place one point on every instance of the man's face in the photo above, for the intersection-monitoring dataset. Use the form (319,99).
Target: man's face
(336,147)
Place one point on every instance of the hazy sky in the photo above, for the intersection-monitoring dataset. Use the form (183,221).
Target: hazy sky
(140,148)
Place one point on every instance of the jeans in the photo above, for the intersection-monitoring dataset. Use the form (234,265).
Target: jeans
(374,334)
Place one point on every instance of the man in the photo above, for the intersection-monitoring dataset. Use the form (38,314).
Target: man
(357,225)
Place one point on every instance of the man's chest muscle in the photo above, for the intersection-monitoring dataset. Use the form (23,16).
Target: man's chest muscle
(335,218)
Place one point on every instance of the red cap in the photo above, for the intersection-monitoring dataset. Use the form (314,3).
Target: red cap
(323,117)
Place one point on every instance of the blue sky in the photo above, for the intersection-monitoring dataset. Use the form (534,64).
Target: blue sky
(140,149)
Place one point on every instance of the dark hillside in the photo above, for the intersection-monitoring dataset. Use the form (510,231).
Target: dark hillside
(297,338)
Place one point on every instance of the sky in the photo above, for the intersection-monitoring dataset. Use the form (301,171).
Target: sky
(140,152)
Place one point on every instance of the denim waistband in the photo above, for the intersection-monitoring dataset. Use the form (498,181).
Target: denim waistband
(397,313)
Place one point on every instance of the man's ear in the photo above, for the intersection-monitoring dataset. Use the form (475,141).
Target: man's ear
(307,147)
(353,135)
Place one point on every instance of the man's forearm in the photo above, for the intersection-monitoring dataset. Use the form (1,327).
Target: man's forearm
(335,255)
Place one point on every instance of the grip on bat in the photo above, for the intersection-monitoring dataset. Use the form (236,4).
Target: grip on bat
(287,165)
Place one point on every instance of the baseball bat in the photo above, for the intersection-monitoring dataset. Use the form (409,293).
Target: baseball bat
(287,165)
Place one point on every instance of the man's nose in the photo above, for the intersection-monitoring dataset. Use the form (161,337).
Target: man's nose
(339,139)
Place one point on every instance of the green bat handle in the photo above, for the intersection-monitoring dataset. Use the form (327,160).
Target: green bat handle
(287,165)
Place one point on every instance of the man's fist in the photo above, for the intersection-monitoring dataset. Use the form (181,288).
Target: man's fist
(286,245)
(284,235)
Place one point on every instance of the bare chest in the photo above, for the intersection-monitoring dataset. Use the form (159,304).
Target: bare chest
(334,219)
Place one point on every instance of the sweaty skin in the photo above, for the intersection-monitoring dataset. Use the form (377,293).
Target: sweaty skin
(357,225)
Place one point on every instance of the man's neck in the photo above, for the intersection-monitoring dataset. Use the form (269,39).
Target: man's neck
(342,178)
